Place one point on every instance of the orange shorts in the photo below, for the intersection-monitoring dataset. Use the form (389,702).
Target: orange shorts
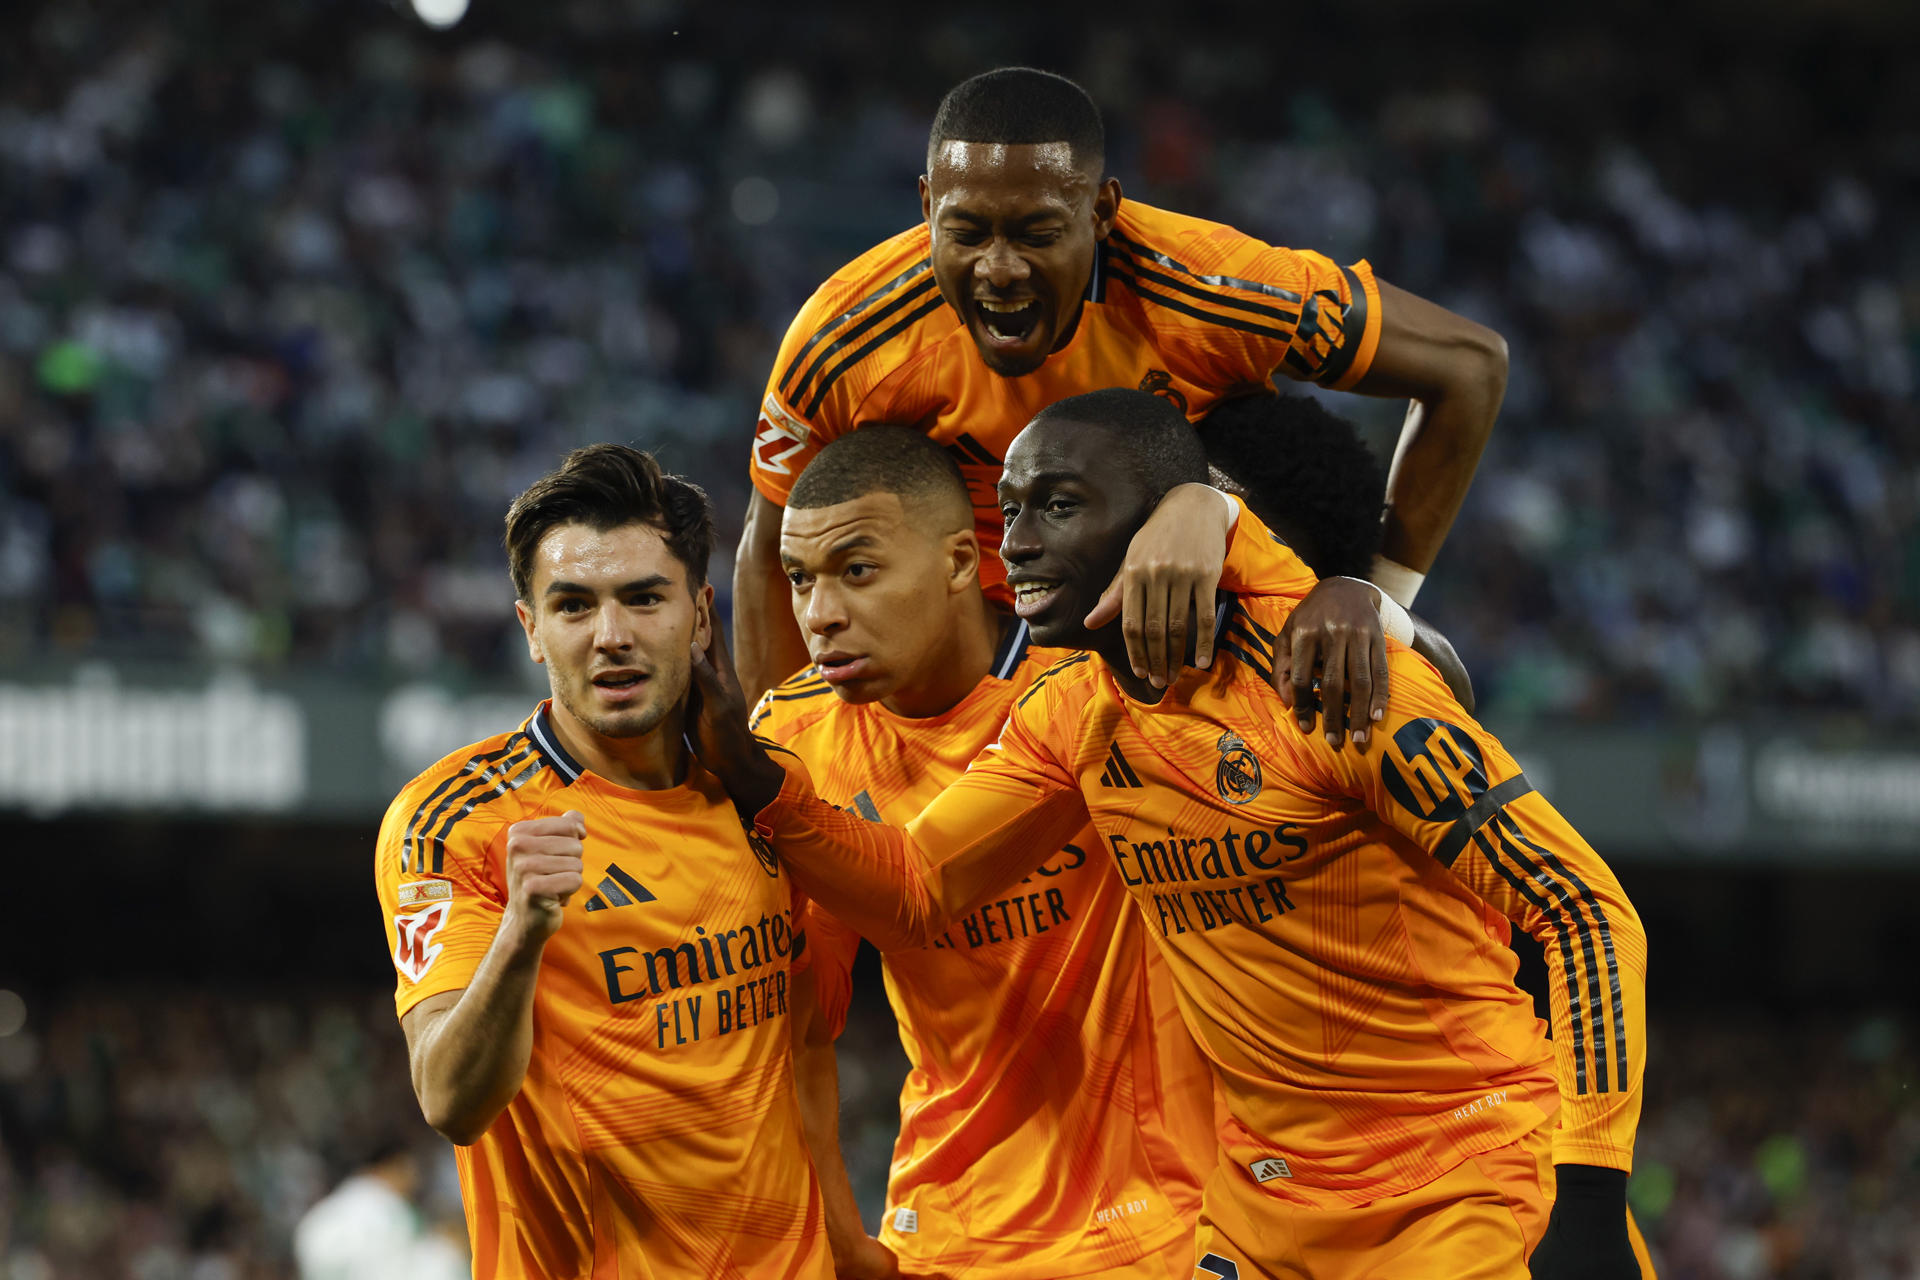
(1174,1262)
(1479,1221)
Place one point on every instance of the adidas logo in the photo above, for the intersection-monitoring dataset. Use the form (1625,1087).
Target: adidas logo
(1118,773)
(618,890)
(1269,1169)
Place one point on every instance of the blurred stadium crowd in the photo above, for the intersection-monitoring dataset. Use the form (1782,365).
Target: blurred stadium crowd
(294,298)
(163,1135)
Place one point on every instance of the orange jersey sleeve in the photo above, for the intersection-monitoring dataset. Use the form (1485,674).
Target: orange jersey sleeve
(435,867)
(826,366)
(900,887)
(1231,310)
(1259,562)
(1449,786)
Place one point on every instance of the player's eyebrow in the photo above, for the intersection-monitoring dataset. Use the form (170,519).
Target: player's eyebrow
(849,544)
(1040,481)
(652,582)
(1024,220)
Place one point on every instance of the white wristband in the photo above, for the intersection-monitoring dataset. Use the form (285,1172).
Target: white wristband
(1396,580)
(1394,620)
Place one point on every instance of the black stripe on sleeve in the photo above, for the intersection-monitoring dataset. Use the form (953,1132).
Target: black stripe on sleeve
(1049,673)
(462,777)
(1229,282)
(973,451)
(1174,304)
(496,785)
(1489,803)
(1569,970)
(854,333)
(1237,626)
(1605,931)
(1288,318)
(1259,668)
(1353,328)
(820,334)
(913,317)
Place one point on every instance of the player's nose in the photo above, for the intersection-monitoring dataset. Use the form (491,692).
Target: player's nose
(1000,266)
(825,612)
(611,633)
(1019,545)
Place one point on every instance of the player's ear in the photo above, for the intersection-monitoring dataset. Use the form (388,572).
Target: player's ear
(963,559)
(522,612)
(926,199)
(703,615)
(1106,207)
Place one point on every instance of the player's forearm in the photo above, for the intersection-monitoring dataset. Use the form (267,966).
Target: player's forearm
(816,1073)
(1433,467)
(870,875)
(1456,372)
(471,1064)
(767,645)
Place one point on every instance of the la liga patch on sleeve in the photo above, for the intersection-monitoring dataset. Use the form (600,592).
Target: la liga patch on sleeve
(415,951)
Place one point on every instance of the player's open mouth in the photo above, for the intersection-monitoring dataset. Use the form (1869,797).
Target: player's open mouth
(1009,322)
(1033,597)
(618,686)
(838,668)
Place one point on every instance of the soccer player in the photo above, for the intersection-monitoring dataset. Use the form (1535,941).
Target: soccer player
(596,962)
(1058,1119)
(1030,280)
(1335,921)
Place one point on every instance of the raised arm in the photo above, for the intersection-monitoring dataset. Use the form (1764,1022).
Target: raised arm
(770,646)
(469,1048)
(1455,371)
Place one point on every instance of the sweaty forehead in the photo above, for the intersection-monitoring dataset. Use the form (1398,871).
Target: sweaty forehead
(1042,169)
(582,554)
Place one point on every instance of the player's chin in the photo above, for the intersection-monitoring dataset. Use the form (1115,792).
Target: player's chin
(1061,625)
(1011,359)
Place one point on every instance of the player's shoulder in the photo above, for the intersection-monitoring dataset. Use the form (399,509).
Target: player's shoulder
(792,706)
(1060,687)
(1191,250)
(477,788)
(881,312)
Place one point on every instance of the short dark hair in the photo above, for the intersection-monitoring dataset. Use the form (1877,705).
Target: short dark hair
(604,486)
(1016,105)
(1158,443)
(880,459)
(1305,472)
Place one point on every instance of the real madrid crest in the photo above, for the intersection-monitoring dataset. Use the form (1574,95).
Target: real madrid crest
(769,861)
(1237,778)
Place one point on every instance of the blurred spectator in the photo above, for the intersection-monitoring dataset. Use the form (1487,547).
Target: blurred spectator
(294,298)
(367,1228)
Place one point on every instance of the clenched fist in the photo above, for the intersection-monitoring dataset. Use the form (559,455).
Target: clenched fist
(544,869)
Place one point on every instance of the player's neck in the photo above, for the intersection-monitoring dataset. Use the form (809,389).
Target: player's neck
(959,665)
(650,762)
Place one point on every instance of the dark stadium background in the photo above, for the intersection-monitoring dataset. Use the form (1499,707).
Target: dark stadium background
(294,297)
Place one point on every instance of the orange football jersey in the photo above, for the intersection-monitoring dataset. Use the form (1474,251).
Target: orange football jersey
(1058,1118)
(658,1132)
(1189,309)
(1336,922)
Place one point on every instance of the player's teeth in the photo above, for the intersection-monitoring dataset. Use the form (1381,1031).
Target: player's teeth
(1003,308)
